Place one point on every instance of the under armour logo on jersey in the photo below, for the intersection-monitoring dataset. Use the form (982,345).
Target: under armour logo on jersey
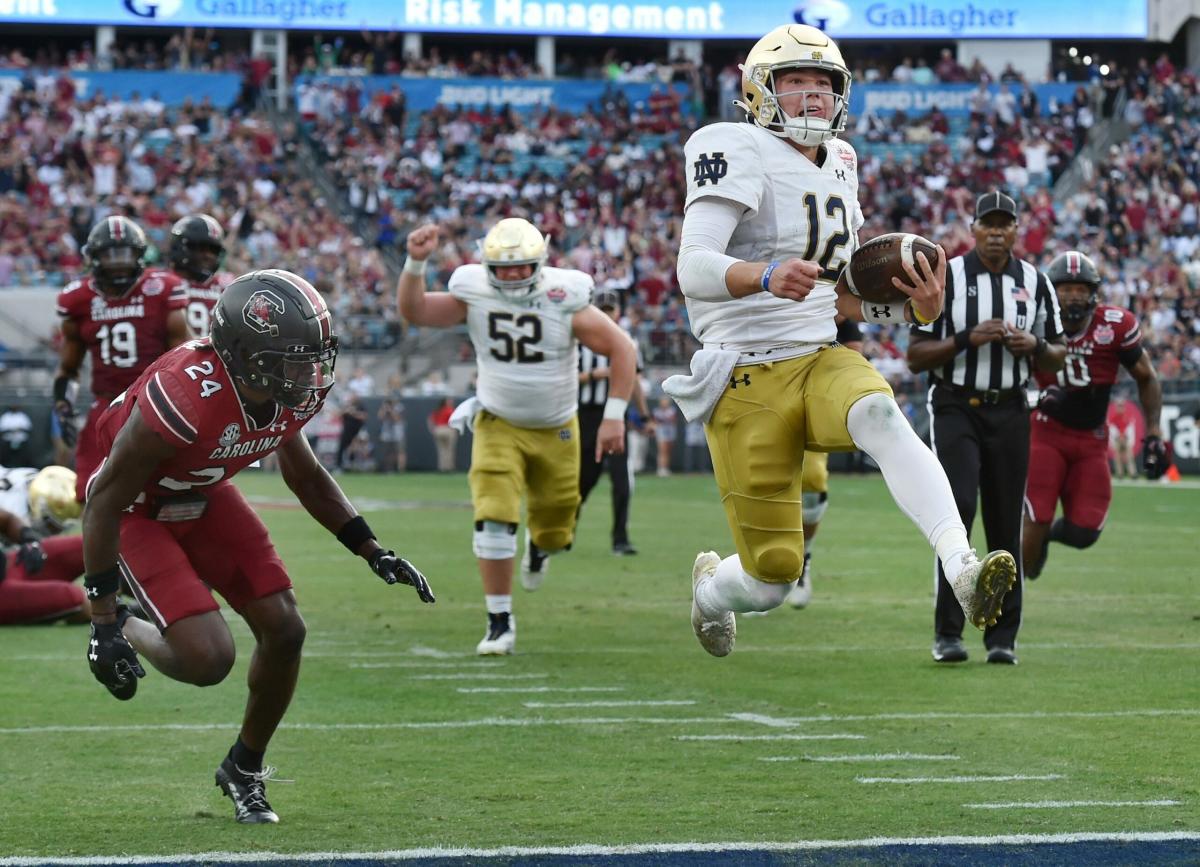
(841,174)
(710,169)
(734,381)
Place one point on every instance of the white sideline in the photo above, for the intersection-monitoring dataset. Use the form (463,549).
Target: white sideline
(586,850)
(469,689)
(663,703)
(832,737)
(789,722)
(1060,805)
(998,778)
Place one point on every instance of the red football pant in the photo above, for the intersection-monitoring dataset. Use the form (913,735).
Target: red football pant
(88,455)
(171,566)
(1071,465)
(49,594)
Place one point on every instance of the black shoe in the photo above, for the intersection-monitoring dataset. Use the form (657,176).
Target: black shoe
(1002,656)
(948,650)
(624,549)
(248,791)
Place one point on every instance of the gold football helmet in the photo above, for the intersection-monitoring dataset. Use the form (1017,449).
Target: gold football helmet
(514,241)
(52,499)
(789,47)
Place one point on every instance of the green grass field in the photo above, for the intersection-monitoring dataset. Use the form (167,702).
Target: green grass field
(611,725)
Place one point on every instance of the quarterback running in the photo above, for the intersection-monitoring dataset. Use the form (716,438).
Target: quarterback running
(771,218)
(525,320)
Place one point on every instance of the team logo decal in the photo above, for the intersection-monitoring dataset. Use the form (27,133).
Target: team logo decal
(1104,335)
(261,311)
(230,435)
(556,295)
(564,434)
(710,170)
(153,286)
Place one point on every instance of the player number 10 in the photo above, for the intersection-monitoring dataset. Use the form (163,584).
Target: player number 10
(1075,372)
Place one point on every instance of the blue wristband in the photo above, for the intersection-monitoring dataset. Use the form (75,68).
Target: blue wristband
(766,276)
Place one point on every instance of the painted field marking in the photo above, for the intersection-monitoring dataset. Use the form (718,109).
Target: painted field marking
(998,778)
(885,757)
(789,722)
(761,719)
(412,663)
(779,759)
(473,689)
(478,676)
(601,851)
(830,737)
(663,703)
(1065,805)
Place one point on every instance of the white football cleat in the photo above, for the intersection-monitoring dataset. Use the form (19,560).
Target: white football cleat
(801,594)
(501,637)
(981,585)
(533,566)
(716,636)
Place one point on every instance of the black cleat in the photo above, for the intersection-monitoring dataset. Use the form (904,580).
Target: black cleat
(1002,656)
(947,649)
(624,549)
(248,791)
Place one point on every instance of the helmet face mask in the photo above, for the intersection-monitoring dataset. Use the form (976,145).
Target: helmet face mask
(114,251)
(794,48)
(275,335)
(514,242)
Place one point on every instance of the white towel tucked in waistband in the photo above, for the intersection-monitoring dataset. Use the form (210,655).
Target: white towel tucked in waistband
(699,392)
(463,417)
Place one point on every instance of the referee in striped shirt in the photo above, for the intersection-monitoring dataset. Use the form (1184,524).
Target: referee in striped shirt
(1000,320)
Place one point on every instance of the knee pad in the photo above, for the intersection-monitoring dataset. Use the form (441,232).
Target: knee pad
(815,504)
(1078,537)
(874,420)
(495,540)
(552,541)
(778,565)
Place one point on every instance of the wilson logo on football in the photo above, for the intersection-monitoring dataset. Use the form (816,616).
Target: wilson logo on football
(261,311)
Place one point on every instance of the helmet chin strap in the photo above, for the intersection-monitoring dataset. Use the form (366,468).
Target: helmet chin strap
(802,131)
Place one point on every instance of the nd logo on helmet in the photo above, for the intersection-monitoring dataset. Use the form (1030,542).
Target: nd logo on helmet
(822,14)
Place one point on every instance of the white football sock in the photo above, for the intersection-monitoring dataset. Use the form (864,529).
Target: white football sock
(731,588)
(498,604)
(913,474)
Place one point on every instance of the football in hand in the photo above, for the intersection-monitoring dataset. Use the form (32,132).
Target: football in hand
(873,265)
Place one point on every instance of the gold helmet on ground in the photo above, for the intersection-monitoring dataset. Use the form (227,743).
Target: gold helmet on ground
(52,499)
(789,47)
(514,241)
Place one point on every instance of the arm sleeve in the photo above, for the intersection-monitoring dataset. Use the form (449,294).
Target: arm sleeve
(1130,349)
(707,227)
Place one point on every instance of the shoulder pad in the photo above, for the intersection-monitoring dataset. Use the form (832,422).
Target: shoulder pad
(469,282)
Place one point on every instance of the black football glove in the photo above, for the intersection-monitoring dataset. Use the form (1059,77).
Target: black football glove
(1051,398)
(66,422)
(113,661)
(1156,456)
(397,570)
(32,557)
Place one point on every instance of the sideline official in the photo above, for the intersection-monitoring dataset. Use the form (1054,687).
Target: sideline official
(1000,319)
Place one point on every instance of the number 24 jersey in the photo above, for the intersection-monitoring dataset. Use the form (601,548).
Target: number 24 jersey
(525,345)
(188,399)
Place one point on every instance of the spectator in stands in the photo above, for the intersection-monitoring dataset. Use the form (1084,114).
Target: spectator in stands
(445,438)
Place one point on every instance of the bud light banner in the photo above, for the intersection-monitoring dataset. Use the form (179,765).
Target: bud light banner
(954,100)
(523,95)
(667,19)
(169,88)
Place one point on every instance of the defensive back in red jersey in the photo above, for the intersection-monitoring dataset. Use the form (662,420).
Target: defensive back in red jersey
(1095,355)
(188,398)
(202,297)
(122,334)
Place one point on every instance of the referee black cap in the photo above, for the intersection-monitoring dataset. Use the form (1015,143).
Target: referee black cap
(990,203)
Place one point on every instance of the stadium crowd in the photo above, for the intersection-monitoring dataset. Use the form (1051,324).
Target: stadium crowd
(604,184)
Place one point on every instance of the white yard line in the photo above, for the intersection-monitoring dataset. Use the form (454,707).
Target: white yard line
(473,689)
(1070,805)
(790,722)
(885,757)
(998,778)
(409,663)
(601,851)
(478,676)
(830,737)
(779,759)
(663,703)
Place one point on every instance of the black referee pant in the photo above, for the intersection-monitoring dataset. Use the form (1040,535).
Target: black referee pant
(982,441)
(590,470)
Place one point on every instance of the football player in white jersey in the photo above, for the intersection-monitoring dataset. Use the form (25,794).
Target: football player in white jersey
(36,576)
(524,319)
(771,218)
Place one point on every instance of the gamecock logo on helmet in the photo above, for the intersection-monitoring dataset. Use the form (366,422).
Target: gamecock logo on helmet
(261,311)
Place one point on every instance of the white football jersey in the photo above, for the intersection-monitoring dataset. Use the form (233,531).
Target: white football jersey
(14,490)
(525,346)
(794,209)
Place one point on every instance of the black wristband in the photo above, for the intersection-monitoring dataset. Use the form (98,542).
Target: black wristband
(61,385)
(103,583)
(354,532)
(962,340)
(27,535)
